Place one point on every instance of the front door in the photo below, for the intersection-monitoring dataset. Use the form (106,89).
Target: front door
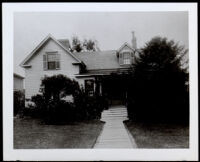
(114,90)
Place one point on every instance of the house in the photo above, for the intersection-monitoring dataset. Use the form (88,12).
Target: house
(90,69)
(18,82)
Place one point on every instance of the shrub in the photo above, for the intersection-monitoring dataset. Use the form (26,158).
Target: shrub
(19,102)
(39,101)
(89,107)
(59,112)
(58,86)
(54,110)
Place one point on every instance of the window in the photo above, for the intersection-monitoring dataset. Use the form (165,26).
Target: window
(126,58)
(89,87)
(51,61)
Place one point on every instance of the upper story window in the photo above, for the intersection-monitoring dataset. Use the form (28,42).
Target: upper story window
(51,61)
(126,58)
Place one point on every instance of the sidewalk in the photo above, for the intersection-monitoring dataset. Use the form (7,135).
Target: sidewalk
(114,134)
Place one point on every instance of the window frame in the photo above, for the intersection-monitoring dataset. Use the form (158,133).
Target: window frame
(46,60)
(126,59)
(92,90)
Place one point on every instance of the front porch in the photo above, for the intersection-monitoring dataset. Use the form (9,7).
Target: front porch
(112,86)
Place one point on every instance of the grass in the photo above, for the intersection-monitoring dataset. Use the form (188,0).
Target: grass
(159,135)
(32,134)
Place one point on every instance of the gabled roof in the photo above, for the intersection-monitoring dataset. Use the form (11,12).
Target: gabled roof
(41,44)
(65,43)
(125,44)
(99,59)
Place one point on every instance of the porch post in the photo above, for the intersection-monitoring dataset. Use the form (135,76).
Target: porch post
(100,88)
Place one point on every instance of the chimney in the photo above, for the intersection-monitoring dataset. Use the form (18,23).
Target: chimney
(134,42)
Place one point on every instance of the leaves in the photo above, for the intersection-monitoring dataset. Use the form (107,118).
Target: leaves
(86,45)
(159,79)
(58,86)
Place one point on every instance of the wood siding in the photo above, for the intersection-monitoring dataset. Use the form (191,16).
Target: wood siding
(36,72)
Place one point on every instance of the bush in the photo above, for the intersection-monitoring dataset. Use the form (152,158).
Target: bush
(60,112)
(37,109)
(19,102)
(89,107)
(51,107)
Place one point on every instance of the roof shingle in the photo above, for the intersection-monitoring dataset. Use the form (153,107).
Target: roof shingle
(99,59)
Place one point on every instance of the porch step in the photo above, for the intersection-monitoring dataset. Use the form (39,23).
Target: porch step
(115,113)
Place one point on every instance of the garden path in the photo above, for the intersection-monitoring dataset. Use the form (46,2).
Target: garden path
(114,134)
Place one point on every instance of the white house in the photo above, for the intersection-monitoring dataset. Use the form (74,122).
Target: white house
(52,57)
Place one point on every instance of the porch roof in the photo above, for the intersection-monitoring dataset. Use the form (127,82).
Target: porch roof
(101,72)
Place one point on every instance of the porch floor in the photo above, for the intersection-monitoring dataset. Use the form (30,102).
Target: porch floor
(114,134)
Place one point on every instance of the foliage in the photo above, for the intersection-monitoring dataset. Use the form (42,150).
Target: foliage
(90,45)
(19,100)
(158,88)
(37,109)
(57,87)
(52,107)
(76,44)
(38,100)
(58,112)
(89,107)
(86,45)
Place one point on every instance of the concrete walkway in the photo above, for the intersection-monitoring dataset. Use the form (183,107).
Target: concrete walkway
(114,134)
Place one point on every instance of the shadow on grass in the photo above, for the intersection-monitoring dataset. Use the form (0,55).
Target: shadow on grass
(154,135)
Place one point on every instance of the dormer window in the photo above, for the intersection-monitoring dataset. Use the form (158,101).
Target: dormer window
(51,61)
(126,58)
(126,54)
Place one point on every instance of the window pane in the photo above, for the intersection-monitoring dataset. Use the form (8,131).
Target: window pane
(52,57)
(53,60)
(127,61)
(51,65)
(126,55)
(126,58)
(89,86)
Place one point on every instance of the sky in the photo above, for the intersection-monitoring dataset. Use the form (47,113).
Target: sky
(110,29)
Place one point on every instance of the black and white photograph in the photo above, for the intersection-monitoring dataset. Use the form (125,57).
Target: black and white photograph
(108,81)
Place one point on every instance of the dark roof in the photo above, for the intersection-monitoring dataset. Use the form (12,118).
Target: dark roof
(18,76)
(99,59)
(103,72)
(65,43)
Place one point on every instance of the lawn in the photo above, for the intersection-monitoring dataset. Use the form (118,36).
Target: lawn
(159,135)
(33,134)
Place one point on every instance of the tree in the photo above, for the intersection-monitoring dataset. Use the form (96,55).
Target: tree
(158,89)
(58,86)
(90,45)
(86,45)
(76,44)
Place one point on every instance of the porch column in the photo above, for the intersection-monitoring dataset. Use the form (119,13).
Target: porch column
(100,88)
